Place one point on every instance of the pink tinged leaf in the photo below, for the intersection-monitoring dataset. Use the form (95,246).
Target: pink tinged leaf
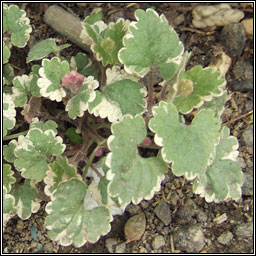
(72,81)
(98,153)
(147,141)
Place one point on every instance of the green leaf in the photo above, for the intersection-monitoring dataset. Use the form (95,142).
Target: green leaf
(8,151)
(151,42)
(83,65)
(120,98)
(59,170)
(95,16)
(106,45)
(32,152)
(8,178)
(74,137)
(8,74)
(132,178)
(9,209)
(223,178)
(16,22)
(217,104)
(23,87)
(69,222)
(26,199)
(190,148)
(206,85)
(44,48)
(6,53)
(85,94)
(51,74)
(44,126)
(9,113)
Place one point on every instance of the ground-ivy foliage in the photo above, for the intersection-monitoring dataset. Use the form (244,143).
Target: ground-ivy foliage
(33,150)
(196,141)
(151,42)
(100,134)
(132,177)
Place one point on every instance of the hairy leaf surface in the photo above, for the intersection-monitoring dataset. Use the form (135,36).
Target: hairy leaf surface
(16,22)
(32,152)
(223,178)
(150,42)
(51,74)
(190,148)
(132,177)
(69,222)
(206,85)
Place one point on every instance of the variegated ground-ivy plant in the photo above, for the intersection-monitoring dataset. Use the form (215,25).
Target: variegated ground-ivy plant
(109,113)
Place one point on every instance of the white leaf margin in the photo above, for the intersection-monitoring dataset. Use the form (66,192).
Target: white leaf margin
(10,113)
(43,83)
(92,85)
(130,69)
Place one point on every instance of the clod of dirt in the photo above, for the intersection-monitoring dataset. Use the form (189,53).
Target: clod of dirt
(135,227)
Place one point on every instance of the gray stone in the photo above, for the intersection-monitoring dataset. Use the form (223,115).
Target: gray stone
(201,216)
(188,210)
(247,136)
(233,37)
(243,71)
(163,212)
(242,86)
(110,242)
(189,238)
(225,237)
(247,188)
(133,209)
(120,248)
(158,242)
(244,230)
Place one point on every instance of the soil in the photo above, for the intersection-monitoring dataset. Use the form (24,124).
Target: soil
(175,191)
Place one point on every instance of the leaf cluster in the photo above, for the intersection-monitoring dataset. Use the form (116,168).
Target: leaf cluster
(108,117)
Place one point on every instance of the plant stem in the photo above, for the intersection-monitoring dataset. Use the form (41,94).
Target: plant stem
(15,135)
(89,162)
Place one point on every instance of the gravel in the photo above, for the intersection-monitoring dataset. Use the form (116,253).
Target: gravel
(244,230)
(225,237)
(163,212)
(189,238)
(158,242)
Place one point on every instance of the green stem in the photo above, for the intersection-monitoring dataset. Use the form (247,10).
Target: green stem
(15,135)
(90,160)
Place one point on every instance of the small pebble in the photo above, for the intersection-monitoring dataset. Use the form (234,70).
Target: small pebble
(225,237)
(120,248)
(244,230)
(110,242)
(233,37)
(247,136)
(189,238)
(163,212)
(158,242)
(134,228)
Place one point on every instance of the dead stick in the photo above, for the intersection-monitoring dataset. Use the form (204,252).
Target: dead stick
(237,118)
(66,24)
